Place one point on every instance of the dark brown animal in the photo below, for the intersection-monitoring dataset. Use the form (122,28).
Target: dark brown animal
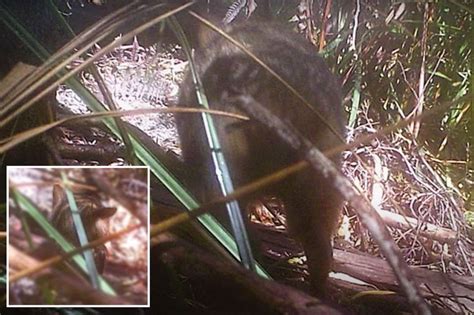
(91,212)
(250,148)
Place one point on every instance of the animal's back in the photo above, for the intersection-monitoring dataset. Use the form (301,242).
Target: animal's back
(250,148)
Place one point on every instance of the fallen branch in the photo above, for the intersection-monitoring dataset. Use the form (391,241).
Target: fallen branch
(229,287)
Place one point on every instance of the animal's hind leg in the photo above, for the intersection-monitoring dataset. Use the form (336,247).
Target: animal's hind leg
(318,251)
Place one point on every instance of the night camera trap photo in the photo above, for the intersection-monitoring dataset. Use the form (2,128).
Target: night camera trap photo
(304,156)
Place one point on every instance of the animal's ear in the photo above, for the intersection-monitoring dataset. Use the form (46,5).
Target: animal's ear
(95,213)
(59,196)
(107,212)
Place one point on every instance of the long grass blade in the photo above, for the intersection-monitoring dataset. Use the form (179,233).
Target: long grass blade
(220,165)
(81,232)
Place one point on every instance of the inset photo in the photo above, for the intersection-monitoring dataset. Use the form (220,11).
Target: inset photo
(78,236)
